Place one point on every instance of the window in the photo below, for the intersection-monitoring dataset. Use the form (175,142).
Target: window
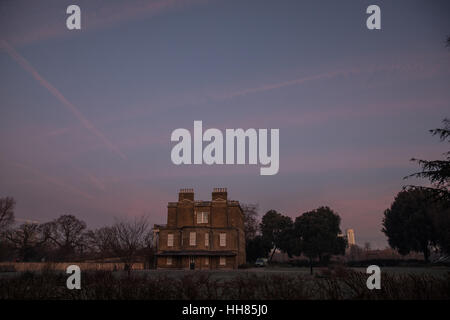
(169,261)
(192,238)
(206,261)
(222,261)
(170,240)
(223,239)
(202,217)
(206,239)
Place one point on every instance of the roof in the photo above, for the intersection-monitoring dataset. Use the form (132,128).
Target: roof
(201,203)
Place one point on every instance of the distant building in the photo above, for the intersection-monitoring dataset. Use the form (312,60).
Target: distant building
(201,234)
(351,237)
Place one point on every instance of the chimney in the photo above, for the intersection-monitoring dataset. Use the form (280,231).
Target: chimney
(187,193)
(219,193)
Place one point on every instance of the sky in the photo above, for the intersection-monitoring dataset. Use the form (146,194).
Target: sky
(86,115)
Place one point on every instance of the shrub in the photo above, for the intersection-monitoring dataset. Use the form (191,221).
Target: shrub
(386,263)
(339,283)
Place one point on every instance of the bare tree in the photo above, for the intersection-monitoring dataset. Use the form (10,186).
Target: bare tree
(27,239)
(67,233)
(251,223)
(6,212)
(129,238)
(99,241)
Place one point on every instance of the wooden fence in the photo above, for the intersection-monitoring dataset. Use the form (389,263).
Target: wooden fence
(62,266)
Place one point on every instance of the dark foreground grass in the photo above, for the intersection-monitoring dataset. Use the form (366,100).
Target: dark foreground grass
(105,285)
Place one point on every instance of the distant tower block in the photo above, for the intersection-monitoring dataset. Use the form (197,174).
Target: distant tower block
(351,237)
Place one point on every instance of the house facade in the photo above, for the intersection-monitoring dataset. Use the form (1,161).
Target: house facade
(201,234)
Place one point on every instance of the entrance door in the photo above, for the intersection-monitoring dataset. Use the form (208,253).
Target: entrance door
(192,263)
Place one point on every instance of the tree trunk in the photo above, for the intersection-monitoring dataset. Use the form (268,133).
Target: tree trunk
(426,254)
(273,252)
(127,267)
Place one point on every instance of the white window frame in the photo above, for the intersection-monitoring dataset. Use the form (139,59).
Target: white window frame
(222,239)
(169,261)
(170,240)
(202,217)
(222,261)
(192,238)
(206,239)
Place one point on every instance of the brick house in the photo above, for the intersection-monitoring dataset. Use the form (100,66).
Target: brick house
(201,234)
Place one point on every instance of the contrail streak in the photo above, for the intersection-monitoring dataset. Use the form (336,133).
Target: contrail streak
(298,81)
(58,95)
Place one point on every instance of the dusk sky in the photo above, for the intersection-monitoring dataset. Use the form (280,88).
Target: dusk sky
(86,115)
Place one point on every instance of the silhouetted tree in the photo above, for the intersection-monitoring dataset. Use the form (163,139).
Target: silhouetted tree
(317,234)
(149,251)
(257,247)
(27,240)
(99,241)
(276,229)
(441,222)
(408,223)
(6,212)
(437,171)
(128,238)
(67,233)
(251,224)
